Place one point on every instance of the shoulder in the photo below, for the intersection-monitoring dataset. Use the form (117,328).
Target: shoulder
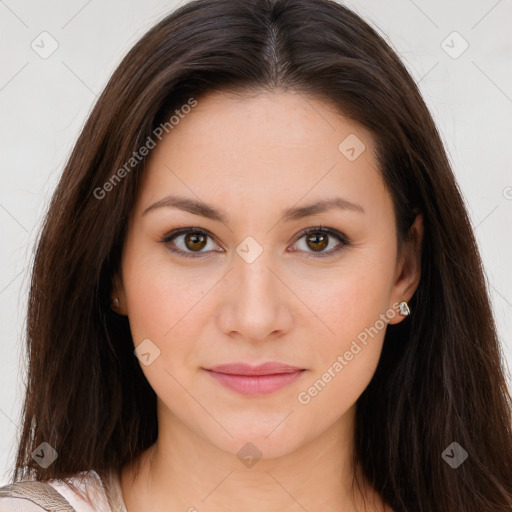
(8,504)
(86,492)
(83,491)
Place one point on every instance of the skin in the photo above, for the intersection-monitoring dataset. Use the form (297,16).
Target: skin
(254,156)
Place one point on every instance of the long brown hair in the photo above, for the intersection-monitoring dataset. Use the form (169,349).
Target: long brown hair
(440,378)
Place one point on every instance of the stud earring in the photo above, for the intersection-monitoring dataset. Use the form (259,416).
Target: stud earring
(404,308)
(115,303)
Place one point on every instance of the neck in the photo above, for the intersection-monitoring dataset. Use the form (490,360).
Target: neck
(183,471)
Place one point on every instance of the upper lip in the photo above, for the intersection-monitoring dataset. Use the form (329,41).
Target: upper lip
(270,368)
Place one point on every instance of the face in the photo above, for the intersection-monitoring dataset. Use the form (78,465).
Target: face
(250,284)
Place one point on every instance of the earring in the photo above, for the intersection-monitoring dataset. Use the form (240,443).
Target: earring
(404,308)
(115,303)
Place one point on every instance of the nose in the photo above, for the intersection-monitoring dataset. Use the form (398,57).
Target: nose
(256,303)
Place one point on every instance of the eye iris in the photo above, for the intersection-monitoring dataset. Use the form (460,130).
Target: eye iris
(195,238)
(319,241)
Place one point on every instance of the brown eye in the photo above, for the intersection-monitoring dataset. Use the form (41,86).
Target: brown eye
(317,241)
(195,241)
(190,243)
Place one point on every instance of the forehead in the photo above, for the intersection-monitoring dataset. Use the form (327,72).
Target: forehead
(265,147)
(278,119)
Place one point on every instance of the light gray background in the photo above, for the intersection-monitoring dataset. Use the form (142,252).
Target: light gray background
(44,103)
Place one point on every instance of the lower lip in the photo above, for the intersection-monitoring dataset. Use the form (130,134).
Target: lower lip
(256,384)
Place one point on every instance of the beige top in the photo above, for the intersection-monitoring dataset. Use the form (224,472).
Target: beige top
(105,495)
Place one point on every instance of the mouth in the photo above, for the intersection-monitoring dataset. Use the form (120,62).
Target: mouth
(255,380)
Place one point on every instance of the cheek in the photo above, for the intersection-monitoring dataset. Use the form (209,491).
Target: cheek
(351,299)
(353,307)
(164,308)
(345,360)
(165,305)
(161,297)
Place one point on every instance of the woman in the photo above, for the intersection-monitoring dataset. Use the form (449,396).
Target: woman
(257,286)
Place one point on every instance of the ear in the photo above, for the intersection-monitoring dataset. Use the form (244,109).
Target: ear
(408,269)
(118,292)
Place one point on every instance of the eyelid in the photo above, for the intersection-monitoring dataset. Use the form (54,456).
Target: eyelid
(166,239)
(314,229)
(331,232)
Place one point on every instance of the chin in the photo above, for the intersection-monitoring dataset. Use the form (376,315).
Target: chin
(251,450)
(264,439)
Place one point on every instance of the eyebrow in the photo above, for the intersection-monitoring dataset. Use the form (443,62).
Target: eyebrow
(204,210)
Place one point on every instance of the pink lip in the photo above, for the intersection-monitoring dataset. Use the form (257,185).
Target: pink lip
(255,380)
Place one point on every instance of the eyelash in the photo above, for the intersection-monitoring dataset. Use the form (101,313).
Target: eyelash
(319,229)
